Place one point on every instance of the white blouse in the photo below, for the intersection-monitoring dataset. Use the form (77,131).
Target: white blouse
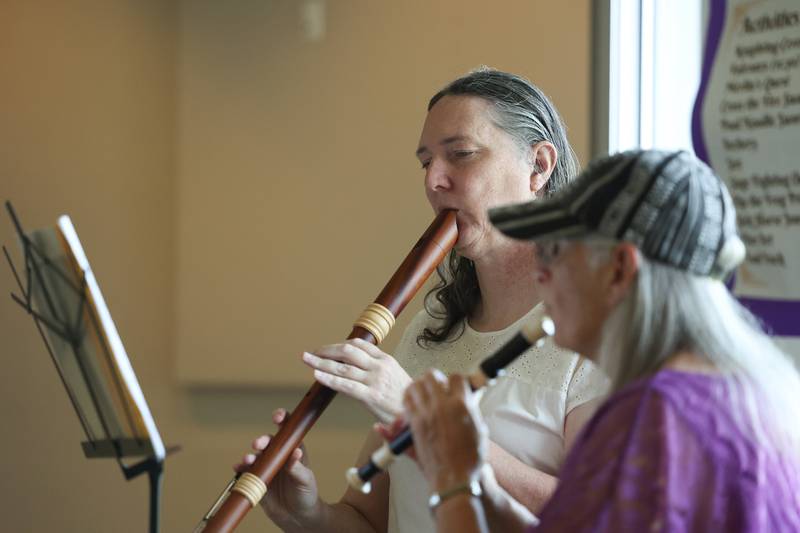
(525,410)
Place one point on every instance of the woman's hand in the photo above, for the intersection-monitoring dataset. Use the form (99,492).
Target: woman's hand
(450,438)
(292,499)
(389,432)
(362,371)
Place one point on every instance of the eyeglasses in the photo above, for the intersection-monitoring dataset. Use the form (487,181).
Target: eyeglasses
(548,251)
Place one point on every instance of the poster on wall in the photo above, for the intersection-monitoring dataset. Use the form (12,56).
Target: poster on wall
(746,125)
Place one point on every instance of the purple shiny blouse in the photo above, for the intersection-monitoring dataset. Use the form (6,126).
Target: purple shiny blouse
(664,454)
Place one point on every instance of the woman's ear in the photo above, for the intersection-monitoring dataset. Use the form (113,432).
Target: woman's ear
(543,158)
(624,267)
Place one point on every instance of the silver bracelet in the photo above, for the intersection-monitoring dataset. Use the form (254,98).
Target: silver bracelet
(473,488)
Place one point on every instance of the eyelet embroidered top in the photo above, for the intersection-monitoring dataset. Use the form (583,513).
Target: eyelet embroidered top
(525,410)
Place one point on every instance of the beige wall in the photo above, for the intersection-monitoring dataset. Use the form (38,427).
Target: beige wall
(298,193)
(87,127)
(148,122)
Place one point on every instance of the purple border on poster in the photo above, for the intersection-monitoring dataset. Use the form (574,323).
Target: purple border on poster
(781,317)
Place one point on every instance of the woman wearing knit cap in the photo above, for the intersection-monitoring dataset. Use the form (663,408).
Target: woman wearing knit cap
(701,432)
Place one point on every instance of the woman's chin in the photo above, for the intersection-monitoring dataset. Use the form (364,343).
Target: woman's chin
(465,248)
(469,240)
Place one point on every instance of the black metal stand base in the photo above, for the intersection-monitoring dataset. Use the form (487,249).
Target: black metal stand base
(155,471)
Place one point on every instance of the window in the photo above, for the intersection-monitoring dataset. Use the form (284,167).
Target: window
(647,72)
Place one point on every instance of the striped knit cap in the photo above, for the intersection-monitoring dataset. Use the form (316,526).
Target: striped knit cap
(671,205)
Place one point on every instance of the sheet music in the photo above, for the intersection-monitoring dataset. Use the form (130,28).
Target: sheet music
(111,379)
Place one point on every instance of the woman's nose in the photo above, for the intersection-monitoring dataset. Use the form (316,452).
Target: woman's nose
(436,177)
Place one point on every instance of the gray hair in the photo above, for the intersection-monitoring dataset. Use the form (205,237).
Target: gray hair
(668,311)
(523,111)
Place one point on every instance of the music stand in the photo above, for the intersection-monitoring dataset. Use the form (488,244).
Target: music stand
(60,292)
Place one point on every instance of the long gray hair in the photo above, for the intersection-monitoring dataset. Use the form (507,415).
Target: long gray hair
(668,310)
(523,111)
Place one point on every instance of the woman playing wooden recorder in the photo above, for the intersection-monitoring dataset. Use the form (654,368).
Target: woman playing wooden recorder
(489,138)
